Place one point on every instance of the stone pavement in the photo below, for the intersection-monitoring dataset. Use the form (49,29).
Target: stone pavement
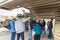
(6,36)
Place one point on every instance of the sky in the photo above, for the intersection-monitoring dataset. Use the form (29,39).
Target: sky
(13,12)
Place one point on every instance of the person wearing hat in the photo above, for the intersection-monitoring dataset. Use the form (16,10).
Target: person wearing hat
(20,27)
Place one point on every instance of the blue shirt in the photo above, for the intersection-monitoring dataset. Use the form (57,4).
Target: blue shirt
(37,29)
(12,25)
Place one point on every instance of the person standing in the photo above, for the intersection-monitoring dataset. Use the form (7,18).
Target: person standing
(12,29)
(44,23)
(29,29)
(50,27)
(37,29)
(20,27)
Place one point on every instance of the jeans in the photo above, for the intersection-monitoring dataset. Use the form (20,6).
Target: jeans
(43,30)
(20,34)
(13,34)
(30,35)
(50,34)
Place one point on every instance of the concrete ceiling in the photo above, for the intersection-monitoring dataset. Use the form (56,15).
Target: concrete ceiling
(36,6)
(30,4)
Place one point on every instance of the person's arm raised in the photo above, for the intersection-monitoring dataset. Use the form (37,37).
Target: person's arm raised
(26,19)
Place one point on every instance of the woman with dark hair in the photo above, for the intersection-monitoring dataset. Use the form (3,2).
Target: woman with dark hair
(50,27)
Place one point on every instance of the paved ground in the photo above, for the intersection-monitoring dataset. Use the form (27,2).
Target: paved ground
(6,36)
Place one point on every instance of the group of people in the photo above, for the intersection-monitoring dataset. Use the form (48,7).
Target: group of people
(38,28)
(18,27)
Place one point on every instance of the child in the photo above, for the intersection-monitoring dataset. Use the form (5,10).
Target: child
(37,29)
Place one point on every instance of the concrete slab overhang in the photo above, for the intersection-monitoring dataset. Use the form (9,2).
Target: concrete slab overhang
(35,6)
(30,3)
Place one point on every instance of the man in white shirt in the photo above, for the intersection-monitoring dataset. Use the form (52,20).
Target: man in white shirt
(20,27)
